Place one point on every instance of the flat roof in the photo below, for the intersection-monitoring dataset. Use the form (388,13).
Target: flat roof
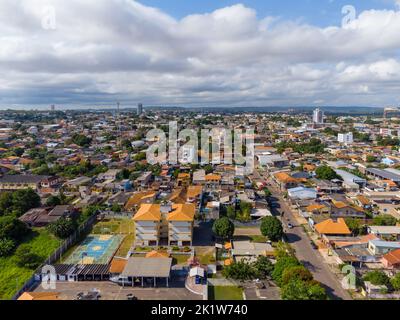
(349,177)
(147,267)
(384,174)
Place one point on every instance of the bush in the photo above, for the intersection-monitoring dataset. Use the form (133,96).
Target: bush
(6,247)
(272,228)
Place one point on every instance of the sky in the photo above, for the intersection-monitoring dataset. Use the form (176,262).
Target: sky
(199,53)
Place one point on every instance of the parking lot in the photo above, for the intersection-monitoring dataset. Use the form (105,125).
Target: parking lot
(111,291)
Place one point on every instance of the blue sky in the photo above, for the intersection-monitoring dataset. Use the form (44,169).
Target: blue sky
(316,12)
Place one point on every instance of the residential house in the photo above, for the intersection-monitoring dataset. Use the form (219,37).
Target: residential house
(391,260)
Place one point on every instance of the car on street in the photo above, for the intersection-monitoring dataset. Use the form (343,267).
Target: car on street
(290,226)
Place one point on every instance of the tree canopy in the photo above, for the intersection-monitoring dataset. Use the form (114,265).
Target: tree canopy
(223,228)
(272,228)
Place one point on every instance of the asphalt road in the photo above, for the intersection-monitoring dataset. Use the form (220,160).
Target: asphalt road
(310,257)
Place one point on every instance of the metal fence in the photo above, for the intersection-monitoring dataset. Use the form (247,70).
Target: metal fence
(32,282)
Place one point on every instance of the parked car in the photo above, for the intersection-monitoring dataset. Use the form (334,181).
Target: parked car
(290,226)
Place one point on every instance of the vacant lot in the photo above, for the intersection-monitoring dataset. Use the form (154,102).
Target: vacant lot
(206,255)
(225,293)
(13,277)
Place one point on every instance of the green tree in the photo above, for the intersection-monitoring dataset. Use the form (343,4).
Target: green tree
(241,270)
(6,203)
(377,278)
(6,247)
(62,228)
(12,228)
(296,273)
(81,140)
(23,200)
(356,226)
(395,281)
(302,290)
(385,220)
(283,263)
(53,201)
(223,228)
(26,258)
(231,212)
(263,266)
(326,173)
(272,228)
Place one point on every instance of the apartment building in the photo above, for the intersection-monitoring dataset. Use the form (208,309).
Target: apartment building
(157,223)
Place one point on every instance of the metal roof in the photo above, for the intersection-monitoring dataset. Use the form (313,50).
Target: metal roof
(384,174)
(148,267)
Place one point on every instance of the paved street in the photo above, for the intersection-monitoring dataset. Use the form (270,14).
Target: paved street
(305,253)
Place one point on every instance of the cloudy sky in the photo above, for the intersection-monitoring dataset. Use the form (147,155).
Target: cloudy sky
(199,52)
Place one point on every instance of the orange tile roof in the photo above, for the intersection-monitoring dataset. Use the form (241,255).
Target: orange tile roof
(284,177)
(148,212)
(213,177)
(178,196)
(138,197)
(194,191)
(39,296)
(363,200)
(331,227)
(315,207)
(157,254)
(393,257)
(362,240)
(118,265)
(182,212)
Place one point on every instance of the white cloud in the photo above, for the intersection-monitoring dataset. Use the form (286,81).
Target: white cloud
(104,50)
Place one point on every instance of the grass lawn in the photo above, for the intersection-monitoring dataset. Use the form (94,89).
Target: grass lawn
(126,245)
(114,226)
(225,293)
(258,239)
(206,255)
(13,277)
(180,258)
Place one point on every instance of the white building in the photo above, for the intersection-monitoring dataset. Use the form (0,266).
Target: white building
(346,138)
(139,109)
(318,116)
